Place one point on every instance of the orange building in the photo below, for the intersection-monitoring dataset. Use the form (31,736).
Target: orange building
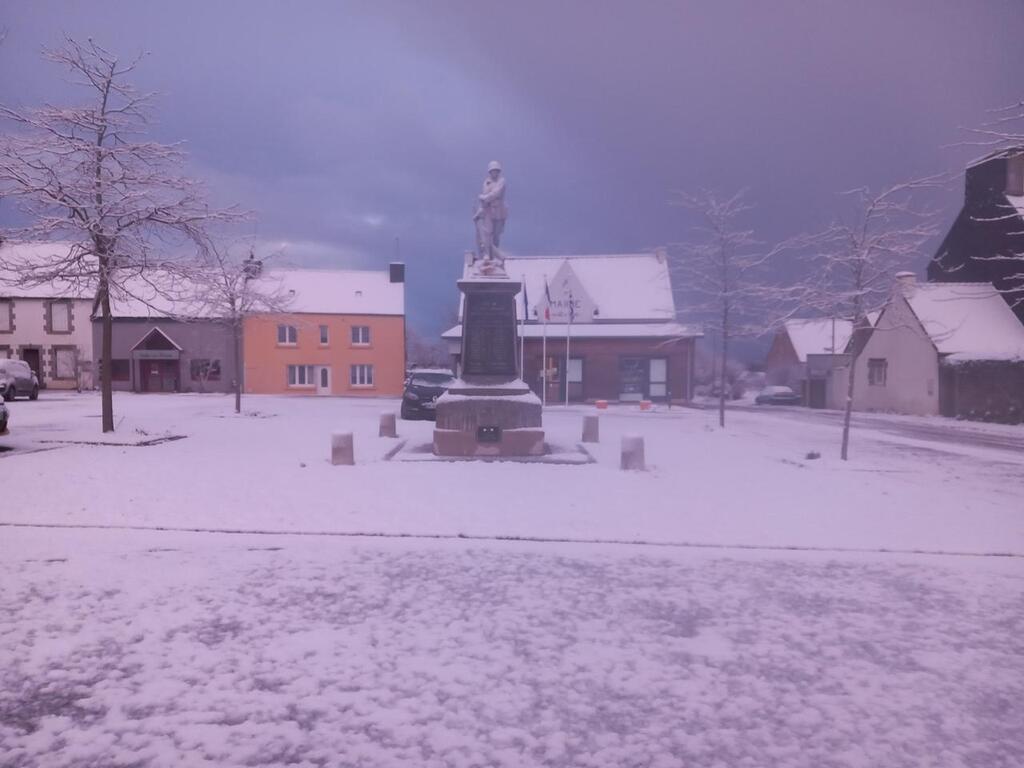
(343,334)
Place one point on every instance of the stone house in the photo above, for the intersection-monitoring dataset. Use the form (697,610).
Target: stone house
(954,349)
(48,326)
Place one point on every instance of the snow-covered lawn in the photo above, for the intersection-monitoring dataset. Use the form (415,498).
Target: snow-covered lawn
(144,647)
(141,649)
(269,470)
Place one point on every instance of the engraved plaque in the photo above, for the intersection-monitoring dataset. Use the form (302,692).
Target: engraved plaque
(490,333)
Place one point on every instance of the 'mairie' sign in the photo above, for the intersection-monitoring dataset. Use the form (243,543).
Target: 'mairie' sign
(566,287)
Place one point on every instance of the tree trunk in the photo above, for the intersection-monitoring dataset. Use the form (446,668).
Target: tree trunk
(237,333)
(106,377)
(721,374)
(845,451)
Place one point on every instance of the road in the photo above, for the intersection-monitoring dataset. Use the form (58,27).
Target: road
(935,429)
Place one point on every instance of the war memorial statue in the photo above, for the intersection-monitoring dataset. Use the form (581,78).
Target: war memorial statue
(489,218)
(489,411)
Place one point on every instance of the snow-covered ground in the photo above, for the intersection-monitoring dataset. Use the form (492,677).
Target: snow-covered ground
(802,631)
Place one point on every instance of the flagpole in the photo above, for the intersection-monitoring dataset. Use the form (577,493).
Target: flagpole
(522,335)
(544,366)
(568,334)
(544,346)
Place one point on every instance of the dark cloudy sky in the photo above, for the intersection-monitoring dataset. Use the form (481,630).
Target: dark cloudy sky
(346,125)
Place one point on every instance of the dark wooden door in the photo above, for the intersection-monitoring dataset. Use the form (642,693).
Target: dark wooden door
(31,356)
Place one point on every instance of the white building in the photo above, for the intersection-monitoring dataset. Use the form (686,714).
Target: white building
(47,326)
(943,348)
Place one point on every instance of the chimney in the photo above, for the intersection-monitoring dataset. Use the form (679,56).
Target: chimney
(905,282)
(396,271)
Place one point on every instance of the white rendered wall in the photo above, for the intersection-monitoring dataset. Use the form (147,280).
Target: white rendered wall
(30,330)
(912,384)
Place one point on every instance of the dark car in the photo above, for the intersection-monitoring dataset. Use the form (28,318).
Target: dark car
(422,389)
(777,395)
(3,418)
(16,378)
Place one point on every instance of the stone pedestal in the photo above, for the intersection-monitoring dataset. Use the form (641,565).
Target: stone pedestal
(342,449)
(489,411)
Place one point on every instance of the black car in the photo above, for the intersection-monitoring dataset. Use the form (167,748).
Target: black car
(777,395)
(3,418)
(422,389)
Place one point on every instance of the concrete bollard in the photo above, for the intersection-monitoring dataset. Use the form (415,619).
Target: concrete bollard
(591,429)
(387,425)
(342,448)
(632,452)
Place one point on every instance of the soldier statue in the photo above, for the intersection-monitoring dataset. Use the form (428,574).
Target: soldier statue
(489,218)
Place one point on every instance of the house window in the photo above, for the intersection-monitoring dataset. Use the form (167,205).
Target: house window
(60,317)
(287,335)
(877,371)
(361,375)
(205,370)
(361,334)
(120,370)
(65,361)
(300,376)
(325,337)
(6,316)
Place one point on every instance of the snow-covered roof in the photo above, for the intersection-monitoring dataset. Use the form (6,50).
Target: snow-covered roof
(37,253)
(967,321)
(670,330)
(339,291)
(814,336)
(630,286)
(308,291)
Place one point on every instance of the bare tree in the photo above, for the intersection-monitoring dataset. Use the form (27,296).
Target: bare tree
(229,289)
(1004,129)
(853,263)
(84,175)
(722,270)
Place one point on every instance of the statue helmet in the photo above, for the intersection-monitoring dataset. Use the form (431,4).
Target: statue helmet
(494,165)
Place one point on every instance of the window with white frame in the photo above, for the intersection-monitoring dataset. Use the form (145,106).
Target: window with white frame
(361,334)
(361,375)
(878,369)
(60,317)
(325,336)
(301,376)
(287,334)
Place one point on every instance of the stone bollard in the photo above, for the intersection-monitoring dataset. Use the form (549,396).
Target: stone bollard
(591,430)
(387,425)
(632,452)
(342,448)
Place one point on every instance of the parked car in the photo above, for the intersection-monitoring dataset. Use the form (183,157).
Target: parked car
(3,418)
(422,389)
(16,378)
(777,395)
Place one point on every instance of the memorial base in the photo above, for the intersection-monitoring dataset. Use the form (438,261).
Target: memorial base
(484,419)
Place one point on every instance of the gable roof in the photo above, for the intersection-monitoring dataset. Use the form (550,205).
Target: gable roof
(630,287)
(967,321)
(151,332)
(814,336)
(338,291)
